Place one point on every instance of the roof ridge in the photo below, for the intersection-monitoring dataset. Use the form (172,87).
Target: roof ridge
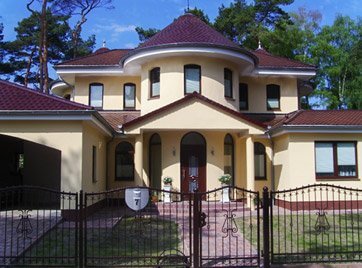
(94,54)
(22,87)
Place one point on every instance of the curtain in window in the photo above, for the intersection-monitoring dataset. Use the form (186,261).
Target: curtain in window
(228,83)
(96,95)
(155,82)
(192,75)
(129,92)
(324,158)
(243,96)
(346,159)
(259,161)
(273,96)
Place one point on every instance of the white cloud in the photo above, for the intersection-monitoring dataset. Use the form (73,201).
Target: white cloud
(114,27)
(130,45)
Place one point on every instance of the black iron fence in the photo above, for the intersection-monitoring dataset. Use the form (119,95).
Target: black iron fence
(145,227)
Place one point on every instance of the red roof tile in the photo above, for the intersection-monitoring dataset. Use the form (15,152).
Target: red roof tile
(101,57)
(325,117)
(187,98)
(14,97)
(267,60)
(188,29)
(117,118)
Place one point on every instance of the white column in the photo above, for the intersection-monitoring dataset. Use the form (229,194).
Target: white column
(138,160)
(250,173)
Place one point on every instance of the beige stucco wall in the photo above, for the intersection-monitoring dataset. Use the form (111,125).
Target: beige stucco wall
(93,137)
(172,81)
(113,90)
(257,93)
(65,136)
(195,115)
(295,160)
(170,146)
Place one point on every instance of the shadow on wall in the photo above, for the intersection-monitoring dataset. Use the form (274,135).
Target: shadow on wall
(28,163)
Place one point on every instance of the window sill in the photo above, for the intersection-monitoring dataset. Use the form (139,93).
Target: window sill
(339,179)
(154,98)
(229,98)
(261,179)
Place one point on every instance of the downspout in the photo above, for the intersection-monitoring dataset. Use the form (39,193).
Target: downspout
(272,183)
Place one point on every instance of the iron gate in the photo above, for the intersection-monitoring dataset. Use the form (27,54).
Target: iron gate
(316,223)
(38,227)
(173,229)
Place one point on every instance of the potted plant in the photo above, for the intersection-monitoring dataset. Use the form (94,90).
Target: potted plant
(225,181)
(167,185)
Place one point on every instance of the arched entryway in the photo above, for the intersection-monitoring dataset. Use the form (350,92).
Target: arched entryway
(193,162)
(155,163)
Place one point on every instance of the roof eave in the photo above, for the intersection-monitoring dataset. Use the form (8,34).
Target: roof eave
(325,129)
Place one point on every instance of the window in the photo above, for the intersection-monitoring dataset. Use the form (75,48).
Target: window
(259,161)
(94,163)
(155,161)
(155,82)
(229,155)
(124,162)
(129,93)
(192,78)
(273,97)
(228,83)
(96,95)
(335,159)
(243,97)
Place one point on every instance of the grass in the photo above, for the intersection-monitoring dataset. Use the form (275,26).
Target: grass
(296,237)
(131,241)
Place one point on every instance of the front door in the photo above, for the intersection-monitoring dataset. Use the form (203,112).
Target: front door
(193,163)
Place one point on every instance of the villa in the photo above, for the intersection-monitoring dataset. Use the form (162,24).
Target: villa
(189,104)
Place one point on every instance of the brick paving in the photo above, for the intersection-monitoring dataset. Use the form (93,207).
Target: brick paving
(221,237)
(20,230)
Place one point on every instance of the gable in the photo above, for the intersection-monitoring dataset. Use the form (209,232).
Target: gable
(194,114)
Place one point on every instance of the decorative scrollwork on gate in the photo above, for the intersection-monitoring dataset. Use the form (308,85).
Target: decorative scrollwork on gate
(229,226)
(24,228)
(322,224)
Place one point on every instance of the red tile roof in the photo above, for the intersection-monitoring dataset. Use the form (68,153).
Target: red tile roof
(267,60)
(117,118)
(202,99)
(188,29)
(325,117)
(14,97)
(101,57)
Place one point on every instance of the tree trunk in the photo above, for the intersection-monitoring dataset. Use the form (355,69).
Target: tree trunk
(28,67)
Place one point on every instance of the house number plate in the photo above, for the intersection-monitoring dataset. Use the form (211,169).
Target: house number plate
(137,198)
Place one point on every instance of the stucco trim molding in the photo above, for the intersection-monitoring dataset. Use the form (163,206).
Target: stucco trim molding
(92,116)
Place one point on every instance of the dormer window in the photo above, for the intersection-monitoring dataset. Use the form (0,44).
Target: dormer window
(96,95)
(273,97)
(155,82)
(129,93)
(192,78)
(228,83)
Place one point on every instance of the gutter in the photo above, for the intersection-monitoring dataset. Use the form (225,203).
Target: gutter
(314,129)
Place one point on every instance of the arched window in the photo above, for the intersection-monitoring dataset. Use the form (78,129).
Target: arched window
(192,81)
(96,95)
(228,83)
(155,163)
(155,82)
(124,162)
(129,96)
(259,161)
(273,97)
(229,155)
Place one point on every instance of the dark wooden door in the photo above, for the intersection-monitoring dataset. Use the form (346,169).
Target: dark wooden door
(193,168)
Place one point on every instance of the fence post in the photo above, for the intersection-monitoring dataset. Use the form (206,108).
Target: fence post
(266,233)
(196,230)
(80,225)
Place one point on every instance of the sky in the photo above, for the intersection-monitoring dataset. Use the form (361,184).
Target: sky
(117,26)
